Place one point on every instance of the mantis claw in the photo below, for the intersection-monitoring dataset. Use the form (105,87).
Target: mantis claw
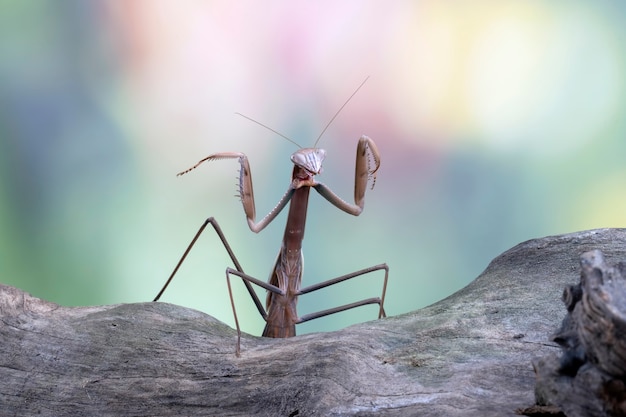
(366,154)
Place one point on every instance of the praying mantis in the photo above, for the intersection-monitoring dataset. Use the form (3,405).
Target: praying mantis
(284,285)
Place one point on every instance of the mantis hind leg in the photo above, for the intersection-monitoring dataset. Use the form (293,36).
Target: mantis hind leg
(248,280)
(220,234)
(375,300)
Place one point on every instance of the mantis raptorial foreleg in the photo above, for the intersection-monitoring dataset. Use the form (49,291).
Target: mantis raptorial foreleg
(366,153)
(246,191)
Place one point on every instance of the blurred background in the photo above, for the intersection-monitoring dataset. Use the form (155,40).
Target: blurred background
(497,122)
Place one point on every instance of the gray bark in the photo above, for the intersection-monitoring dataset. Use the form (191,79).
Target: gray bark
(588,378)
(469,354)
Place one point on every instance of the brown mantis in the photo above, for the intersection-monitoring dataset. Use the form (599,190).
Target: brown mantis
(284,284)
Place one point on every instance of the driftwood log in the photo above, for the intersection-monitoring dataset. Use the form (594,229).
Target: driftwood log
(468,355)
(589,377)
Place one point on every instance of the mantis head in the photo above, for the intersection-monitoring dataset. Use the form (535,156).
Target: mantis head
(309,159)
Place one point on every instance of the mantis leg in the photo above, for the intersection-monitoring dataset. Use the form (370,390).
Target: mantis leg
(375,300)
(219,232)
(246,191)
(247,279)
(366,155)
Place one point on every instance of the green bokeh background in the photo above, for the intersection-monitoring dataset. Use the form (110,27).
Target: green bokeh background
(497,121)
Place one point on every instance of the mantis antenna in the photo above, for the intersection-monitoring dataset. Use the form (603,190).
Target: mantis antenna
(339,111)
(269,128)
(323,131)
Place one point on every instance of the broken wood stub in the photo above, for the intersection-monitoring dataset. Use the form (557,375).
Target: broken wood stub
(589,378)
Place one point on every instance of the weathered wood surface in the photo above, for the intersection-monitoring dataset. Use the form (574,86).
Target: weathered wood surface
(467,355)
(589,377)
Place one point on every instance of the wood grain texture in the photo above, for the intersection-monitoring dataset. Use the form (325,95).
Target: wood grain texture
(589,377)
(469,354)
